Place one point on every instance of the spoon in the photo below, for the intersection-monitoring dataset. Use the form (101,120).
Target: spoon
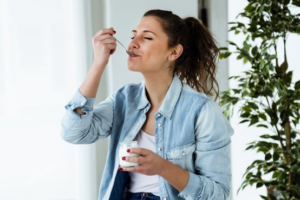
(128,52)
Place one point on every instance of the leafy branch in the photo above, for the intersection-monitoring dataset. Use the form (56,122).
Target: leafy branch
(268,97)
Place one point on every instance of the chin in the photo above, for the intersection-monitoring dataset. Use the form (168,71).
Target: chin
(132,68)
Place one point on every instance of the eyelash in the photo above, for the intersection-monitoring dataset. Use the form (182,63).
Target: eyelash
(147,38)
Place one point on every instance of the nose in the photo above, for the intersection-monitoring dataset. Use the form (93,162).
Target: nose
(134,44)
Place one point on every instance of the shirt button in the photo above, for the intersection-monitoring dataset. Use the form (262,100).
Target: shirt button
(159,149)
(158,115)
(159,125)
(164,198)
(82,103)
(183,153)
(185,196)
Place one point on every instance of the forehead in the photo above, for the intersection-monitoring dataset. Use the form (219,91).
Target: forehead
(149,23)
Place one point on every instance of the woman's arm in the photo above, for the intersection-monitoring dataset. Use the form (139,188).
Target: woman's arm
(90,84)
(83,123)
(212,179)
(95,123)
(104,44)
(178,181)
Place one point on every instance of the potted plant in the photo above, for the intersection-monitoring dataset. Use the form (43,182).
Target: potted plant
(267,96)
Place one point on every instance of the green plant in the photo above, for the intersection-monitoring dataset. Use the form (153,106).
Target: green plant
(268,97)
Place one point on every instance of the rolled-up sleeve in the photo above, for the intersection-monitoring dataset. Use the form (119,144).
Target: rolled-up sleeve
(212,179)
(95,124)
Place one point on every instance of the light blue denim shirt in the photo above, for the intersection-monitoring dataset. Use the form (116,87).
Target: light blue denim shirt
(190,131)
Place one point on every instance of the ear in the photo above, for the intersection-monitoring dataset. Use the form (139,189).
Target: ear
(176,52)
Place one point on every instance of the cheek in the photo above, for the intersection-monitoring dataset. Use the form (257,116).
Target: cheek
(157,54)
(158,58)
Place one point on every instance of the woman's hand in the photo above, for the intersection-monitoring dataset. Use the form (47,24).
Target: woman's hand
(104,44)
(149,162)
(153,164)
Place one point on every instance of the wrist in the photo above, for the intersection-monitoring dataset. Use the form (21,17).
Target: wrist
(163,168)
(174,175)
(99,65)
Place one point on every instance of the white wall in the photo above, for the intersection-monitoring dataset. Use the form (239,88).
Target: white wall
(217,22)
(36,81)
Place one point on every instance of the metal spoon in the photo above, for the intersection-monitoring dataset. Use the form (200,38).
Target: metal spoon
(128,52)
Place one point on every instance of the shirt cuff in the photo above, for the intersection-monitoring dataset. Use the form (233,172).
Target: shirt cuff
(193,187)
(79,101)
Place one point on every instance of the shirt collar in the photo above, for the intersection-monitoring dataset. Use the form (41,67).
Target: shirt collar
(169,103)
(143,100)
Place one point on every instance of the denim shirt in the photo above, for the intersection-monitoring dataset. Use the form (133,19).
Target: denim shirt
(190,131)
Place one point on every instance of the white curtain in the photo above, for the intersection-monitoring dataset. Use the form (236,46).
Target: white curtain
(45,53)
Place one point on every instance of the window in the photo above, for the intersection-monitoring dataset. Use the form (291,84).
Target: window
(36,81)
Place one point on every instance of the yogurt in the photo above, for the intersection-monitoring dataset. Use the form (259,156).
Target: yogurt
(123,152)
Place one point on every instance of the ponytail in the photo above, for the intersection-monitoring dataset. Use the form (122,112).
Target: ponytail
(197,64)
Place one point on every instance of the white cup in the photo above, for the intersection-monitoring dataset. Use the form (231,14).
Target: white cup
(123,152)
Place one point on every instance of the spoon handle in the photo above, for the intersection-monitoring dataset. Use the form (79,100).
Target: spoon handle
(121,44)
(128,52)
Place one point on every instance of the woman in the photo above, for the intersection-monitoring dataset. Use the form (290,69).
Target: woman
(184,138)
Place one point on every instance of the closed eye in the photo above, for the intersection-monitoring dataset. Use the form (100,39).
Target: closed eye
(147,38)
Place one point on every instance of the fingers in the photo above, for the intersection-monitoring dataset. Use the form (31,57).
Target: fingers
(104,44)
(134,159)
(131,169)
(141,151)
(147,162)
(139,169)
(108,44)
(104,40)
(104,31)
(106,37)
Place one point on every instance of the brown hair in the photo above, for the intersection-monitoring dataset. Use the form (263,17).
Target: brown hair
(197,64)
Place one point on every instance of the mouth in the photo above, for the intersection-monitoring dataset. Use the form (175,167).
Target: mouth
(133,55)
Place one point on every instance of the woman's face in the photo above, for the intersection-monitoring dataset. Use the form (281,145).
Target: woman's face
(150,47)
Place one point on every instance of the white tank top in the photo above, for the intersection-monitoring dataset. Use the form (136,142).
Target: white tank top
(140,182)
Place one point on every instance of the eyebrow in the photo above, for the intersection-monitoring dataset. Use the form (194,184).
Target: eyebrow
(145,31)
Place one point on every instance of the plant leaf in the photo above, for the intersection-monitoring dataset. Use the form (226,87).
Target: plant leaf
(261,64)
(298,30)
(264,197)
(261,9)
(297,85)
(262,125)
(268,156)
(259,184)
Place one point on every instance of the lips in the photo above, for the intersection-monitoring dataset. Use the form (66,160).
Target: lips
(134,55)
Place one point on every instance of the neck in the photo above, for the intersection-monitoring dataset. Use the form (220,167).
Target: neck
(157,87)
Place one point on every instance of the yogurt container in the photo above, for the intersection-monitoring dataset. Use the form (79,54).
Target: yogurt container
(123,152)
